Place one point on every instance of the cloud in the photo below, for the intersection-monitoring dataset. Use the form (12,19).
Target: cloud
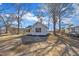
(15,22)
(42,10)
(7,15)
(76,6)
(67,21)
(30,16)
(45,18)
(44,22)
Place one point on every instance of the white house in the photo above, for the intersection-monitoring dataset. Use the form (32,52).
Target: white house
(37,29)
(75,29)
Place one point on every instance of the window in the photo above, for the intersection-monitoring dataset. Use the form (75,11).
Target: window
(38,29)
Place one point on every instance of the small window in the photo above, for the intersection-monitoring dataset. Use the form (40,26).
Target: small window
(38,29)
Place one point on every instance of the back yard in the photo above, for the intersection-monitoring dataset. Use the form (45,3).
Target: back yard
(52,46)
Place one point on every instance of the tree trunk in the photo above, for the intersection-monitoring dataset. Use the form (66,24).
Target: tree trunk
(0,31)
(54,27)
(6,30)
(18,21)
(18,26)
(59,25)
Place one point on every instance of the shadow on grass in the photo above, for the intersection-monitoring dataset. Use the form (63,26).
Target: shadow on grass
(69,44)
(40,51)
(43,51)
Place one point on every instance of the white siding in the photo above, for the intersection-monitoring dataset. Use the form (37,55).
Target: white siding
(44,30)
(77,30)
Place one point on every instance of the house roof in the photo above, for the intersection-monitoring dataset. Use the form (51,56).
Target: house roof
(75,27)
(35,24)
(40,23)
(29,27)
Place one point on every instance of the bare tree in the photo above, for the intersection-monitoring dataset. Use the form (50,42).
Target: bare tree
(7,21)
(20,11)
(63,9)
(4,21)
(57,11)
(52,9)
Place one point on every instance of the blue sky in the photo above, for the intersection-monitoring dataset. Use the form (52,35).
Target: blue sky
(32,10)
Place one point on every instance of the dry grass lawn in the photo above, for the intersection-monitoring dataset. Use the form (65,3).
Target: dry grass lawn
(9,37)
(51,47)
(52,38)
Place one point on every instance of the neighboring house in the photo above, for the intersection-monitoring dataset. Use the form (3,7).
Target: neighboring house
(28,29)
(67,30)
(75,29)
(37,29)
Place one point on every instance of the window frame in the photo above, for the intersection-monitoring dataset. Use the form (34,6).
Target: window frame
(37,29)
